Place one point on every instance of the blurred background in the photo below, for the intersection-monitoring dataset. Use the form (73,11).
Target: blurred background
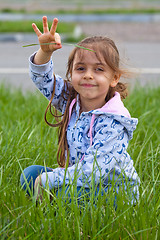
(134,25)
(27,5)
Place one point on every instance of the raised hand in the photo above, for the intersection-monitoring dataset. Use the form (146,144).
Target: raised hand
(48,36)
(49,41)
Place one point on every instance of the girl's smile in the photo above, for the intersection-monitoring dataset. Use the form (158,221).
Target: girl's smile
(86,85)
(92,79)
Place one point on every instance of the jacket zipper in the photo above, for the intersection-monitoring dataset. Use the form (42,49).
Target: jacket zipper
(76,123)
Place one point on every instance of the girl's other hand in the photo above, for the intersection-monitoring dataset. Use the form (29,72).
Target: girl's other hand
(38,188)
(48,36)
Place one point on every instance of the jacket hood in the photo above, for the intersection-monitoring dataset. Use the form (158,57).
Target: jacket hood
(116,110)
(115,106)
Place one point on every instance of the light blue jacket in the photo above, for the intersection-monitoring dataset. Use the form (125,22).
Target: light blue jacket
(97,139)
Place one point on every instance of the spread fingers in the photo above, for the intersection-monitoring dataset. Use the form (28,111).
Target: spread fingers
(45,25)
(37,31)
(54,26)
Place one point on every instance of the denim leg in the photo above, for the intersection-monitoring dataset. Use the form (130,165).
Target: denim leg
(30,174)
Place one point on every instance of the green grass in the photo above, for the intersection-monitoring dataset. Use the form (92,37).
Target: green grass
(26,26)
(25,140)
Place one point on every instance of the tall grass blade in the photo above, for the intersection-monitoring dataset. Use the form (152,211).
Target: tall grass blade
(75,45)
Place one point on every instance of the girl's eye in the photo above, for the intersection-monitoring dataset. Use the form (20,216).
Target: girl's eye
(80,68)
(99,69)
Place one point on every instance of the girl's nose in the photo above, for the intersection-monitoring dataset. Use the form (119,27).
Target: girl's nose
(88,75)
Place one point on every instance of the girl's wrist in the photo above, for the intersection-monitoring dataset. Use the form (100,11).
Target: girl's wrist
(42,57)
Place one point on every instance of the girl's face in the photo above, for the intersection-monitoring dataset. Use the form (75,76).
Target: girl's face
(91,78)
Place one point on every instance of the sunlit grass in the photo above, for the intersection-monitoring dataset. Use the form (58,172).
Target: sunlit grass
(25,139)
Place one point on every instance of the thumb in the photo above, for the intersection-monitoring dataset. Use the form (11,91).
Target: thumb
(57,38)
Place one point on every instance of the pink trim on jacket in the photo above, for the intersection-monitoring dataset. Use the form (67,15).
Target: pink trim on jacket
(70,108)
(116,106)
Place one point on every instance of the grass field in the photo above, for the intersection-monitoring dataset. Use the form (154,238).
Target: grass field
(25,140)
(26,26)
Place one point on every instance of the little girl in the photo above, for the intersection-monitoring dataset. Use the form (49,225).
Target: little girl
(95,126)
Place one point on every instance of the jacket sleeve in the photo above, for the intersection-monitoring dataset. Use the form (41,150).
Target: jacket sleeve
(42,76)
(105,156)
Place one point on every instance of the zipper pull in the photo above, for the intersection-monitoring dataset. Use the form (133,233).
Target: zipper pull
(76,123)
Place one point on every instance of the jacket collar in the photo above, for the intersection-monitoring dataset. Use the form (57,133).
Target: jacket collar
(114,106)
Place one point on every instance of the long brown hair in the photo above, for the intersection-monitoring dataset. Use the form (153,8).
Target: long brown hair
(104,48)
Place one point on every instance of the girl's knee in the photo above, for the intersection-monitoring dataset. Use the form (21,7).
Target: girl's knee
(29,175)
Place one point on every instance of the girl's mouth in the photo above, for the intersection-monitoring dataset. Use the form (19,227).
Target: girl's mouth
(87,85)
